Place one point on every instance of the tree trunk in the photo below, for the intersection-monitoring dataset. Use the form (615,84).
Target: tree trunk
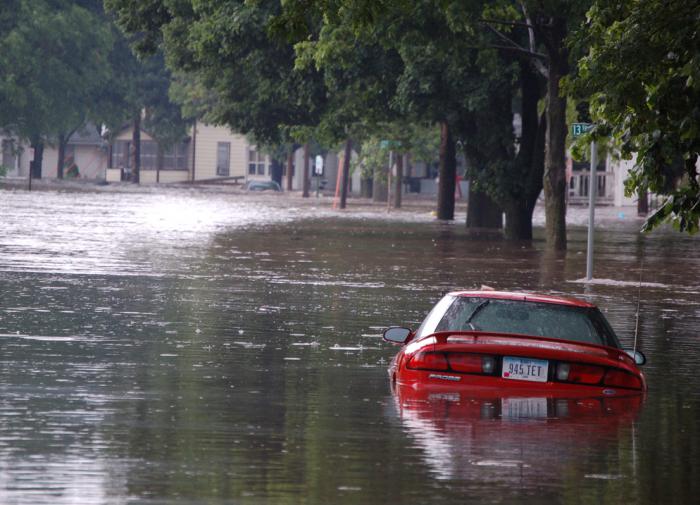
(136,150)
(643,204)
(36,163)
(554,179)
(290,166)
(366,187)
(346,173)
(482,211)
(276,171)
(62,141)
(159,162)
(307,182)
(398,181)
(519,221)
(448,174)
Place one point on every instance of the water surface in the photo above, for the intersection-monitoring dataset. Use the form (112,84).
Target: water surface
(181,347)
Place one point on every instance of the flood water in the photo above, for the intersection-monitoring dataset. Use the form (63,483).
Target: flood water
(179,347)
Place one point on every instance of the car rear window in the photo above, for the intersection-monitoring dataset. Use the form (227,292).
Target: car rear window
(579,324)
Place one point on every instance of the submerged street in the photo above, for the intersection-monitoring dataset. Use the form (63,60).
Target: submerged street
(181,347)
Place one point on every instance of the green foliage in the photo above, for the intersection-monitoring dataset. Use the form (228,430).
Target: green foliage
(373,159)
(421,141)
(229,69)
(53,66)
(641,76)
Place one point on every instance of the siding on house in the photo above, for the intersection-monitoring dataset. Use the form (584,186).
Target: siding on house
(206,139)
(90,160)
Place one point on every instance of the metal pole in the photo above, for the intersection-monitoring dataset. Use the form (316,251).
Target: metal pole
(592,187)
(388,181)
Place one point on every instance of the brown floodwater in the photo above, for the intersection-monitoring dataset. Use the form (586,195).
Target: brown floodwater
(179,347)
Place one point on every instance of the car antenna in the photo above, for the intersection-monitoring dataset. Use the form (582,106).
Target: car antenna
(639,299)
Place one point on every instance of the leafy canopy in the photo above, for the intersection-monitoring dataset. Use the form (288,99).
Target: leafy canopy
(642,78)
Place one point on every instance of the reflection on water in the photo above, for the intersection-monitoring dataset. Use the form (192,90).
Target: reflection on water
(177,347)
(483,436)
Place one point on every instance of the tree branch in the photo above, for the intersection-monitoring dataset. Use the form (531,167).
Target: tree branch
(507,23)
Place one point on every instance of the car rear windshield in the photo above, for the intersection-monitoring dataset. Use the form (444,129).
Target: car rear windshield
(565,322)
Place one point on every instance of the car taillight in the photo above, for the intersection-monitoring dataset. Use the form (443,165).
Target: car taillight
(463,362)
(621,379)
(428,361)
(455,361)
(583,374)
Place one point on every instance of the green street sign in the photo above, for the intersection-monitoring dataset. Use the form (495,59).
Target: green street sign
(389,144)
(578,129)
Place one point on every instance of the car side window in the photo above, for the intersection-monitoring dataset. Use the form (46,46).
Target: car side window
(434,317)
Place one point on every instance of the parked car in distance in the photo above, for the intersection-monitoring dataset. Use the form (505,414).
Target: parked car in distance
(516,341)
(262,186)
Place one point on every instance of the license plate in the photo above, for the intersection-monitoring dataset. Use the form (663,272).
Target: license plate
(523,408)
(525,369)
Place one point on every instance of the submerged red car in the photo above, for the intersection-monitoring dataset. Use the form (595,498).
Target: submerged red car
(516,341)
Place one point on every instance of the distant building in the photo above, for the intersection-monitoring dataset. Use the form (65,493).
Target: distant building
(85,156)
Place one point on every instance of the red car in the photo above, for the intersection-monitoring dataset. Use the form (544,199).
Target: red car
(516,341)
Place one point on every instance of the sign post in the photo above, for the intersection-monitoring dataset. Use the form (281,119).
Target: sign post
(578,129)
(318,171)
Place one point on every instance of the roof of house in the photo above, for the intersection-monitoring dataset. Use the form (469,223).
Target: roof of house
(87,136)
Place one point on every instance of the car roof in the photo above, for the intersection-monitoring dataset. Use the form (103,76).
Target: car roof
(523,297)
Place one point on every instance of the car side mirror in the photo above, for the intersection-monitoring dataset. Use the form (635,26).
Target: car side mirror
(396,334)
(637,356)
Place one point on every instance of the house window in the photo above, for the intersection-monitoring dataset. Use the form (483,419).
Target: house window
(121,154)
(256,162)
(175,157)
(149,155)
(223,158)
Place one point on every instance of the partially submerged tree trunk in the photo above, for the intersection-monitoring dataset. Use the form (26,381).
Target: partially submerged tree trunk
(643,204)
(63,139)
(60,163)
(159,162)
(530,158)
(290,166)
(554,179)
(35,165)
(398,181)
(136,150)
(307,182)
(448,174)
(519,221)
(517,198)
(366,187)
(482,211)
(346,173)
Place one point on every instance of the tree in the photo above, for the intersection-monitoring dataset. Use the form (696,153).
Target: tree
(456,73)
(53,61)
(139,94)
(641,76)
(232,72)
